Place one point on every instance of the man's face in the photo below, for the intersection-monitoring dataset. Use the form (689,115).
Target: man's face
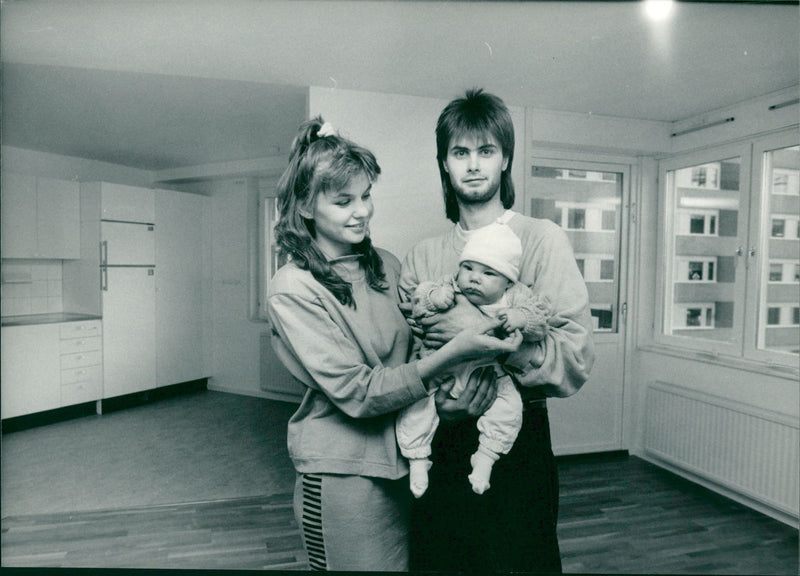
(475,163)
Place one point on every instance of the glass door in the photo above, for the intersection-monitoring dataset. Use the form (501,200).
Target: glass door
(589,201)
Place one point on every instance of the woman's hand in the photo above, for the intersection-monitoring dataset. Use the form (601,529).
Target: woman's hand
(478,396)
(480,340)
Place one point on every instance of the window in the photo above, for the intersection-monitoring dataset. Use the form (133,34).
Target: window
(695,269)
(776,330)
(586,203)
(576,219)
(607,270)
(602,317)
(776,272)
(731,250)
(609,220)
(773,316)
(694,316)
(270,258)
(785,181)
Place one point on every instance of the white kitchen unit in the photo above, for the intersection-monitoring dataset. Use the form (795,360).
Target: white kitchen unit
(127,281)
(129,345)
(126,203)
(180,287)
(30,369)
(81,346)
(40,217)
(51,365)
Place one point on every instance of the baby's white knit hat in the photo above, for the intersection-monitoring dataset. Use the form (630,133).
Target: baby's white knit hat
(495,246)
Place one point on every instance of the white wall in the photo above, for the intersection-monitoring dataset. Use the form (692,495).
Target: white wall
(400,131)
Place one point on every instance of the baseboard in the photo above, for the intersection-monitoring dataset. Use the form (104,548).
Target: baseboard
(594,456)
(751,503)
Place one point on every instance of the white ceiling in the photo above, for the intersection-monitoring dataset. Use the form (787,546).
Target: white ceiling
(159,85)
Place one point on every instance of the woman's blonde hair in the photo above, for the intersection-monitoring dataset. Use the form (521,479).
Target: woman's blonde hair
(319,161)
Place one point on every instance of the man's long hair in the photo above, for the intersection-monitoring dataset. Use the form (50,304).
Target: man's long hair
(478,113)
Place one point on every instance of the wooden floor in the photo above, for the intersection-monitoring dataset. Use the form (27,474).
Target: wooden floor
(618,515)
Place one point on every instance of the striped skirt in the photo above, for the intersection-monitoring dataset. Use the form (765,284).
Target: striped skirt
(353,523)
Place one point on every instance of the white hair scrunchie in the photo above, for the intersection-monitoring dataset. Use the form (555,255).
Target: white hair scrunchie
(326,130)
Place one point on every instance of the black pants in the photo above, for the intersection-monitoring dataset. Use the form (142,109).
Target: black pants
(511,527)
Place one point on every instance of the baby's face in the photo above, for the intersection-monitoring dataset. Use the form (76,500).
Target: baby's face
(481,284)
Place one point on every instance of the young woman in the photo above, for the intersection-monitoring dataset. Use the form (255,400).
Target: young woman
(337,328)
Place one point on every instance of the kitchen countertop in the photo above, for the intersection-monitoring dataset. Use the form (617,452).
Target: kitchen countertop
(52,318)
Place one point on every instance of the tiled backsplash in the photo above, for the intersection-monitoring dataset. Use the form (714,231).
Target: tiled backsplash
(30,287)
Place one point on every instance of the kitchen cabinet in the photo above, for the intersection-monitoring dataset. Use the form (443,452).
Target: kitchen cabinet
(30,369)
(180,287)
(47,366)
(40,217)
(81,362)
(126,203)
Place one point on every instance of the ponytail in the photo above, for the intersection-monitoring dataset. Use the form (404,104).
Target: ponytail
(321,160)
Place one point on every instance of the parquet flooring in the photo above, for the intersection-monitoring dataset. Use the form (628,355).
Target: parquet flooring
(618,515)
(255,533)
(626,516)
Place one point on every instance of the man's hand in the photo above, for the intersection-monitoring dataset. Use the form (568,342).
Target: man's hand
(405,308)
(477,397)
(443,327)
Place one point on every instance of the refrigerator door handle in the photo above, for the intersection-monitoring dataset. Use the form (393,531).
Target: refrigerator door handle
(104,253)
(104,279)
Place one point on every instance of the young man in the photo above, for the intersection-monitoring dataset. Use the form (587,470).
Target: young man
(512,527)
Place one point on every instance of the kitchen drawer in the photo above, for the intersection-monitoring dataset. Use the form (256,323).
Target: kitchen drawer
(81,329)
(74,345)
(81,391)
(74,375)
(68,361)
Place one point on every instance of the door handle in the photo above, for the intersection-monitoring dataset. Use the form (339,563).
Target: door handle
(104,279)
(104,253)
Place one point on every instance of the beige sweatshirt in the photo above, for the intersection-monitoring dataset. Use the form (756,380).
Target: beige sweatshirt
(353,365)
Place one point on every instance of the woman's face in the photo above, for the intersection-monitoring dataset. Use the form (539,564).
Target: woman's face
(341,217)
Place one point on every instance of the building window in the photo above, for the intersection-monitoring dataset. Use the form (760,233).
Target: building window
(602,317)
(696,269)
(609,220)
(776,272)
(607,270)
(786,181)
(697,223)
(576,219)
(773,316)
(778,227)
(694,316)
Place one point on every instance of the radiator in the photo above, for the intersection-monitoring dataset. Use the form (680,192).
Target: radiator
(752,452)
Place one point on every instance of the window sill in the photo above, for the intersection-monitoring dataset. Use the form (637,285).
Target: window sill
(766,368)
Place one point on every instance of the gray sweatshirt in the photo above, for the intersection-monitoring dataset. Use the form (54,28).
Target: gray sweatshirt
(353,364)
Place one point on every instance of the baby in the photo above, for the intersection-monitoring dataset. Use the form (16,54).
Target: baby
(488,278)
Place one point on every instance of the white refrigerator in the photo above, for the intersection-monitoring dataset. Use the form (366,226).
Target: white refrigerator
(127,280)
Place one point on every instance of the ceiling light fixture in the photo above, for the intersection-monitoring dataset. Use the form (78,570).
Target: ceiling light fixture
(658,10)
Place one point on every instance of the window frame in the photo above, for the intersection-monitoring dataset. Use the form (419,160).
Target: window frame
(667,226)
(761,220)
(754,258)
